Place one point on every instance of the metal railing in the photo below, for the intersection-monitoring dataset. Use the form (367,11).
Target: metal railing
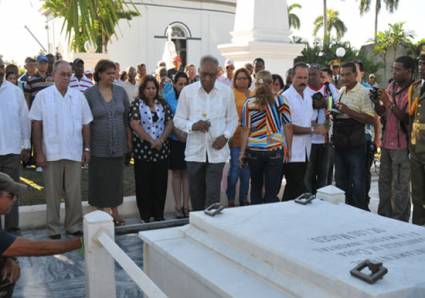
(100,252)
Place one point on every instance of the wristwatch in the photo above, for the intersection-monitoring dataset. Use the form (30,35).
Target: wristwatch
(86,149)
(311,130)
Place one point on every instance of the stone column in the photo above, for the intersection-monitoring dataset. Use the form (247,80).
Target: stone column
(261,29)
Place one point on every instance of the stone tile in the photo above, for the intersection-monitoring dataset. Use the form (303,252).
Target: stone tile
(63,276)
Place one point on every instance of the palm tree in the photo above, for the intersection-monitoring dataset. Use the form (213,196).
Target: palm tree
(325,23)
(91,20)
(392,38)
(333,23)
(294,20)
(365,5)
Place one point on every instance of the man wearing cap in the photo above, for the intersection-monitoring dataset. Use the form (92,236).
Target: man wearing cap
(14,137)
(39,80)
(416,110)
(12,246)
(227,78)
(60,120)
(79,80)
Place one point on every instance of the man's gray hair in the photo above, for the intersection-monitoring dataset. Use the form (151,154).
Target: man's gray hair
(1,61)
(59,63)
(208,59)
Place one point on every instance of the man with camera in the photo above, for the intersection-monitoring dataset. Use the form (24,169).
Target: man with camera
(394,174)
(416,110)
(317,168)
(355,110)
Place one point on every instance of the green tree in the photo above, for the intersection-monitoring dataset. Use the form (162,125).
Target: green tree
(391,39)
(294,20)
(94,21)
(334,23)
(365,5)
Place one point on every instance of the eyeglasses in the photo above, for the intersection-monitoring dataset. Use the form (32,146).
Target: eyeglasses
(241,78)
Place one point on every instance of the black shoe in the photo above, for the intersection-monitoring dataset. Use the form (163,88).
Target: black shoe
(76,234)
(55,237)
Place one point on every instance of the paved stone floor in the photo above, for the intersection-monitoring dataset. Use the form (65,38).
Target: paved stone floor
(62,276)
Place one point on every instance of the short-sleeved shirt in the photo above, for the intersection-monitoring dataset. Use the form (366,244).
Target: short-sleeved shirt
(108,130)
(63,118)
(356,99)
(142,149)
(81,85)
(36,83)
(6,240)
(266,126)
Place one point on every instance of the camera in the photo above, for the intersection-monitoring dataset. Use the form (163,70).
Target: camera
(374,96)
(317,100)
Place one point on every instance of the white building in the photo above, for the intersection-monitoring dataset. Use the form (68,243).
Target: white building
(198,27)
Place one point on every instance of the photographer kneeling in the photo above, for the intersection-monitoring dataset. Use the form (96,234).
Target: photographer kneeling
(11,246)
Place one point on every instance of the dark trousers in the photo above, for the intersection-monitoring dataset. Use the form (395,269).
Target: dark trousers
(417,164)
(349,174)
(151,188)
(204,183)
(331,164)
(265,168)
(10,164)
(370,155)
(294,175)
(316,175)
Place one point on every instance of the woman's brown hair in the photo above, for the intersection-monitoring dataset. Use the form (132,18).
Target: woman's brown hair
(263,88)
(102,66)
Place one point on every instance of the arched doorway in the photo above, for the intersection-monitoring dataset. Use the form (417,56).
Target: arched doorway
(179,36)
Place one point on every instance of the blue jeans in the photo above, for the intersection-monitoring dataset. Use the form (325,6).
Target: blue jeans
(349,175)
(266,170)
(235,173)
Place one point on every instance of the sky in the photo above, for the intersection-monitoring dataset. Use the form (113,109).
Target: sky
(17,43)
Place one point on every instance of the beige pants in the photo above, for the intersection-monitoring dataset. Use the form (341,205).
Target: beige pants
(63,179)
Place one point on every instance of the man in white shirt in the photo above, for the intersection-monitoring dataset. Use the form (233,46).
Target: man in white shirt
(206,111)
(60,119)
(79,80)
(14,137)
(131,86)
(317,169)
(227,78)
(299,99)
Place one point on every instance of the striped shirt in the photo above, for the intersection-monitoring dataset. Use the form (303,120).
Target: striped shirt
(82,84)
(266,127)
(36,83)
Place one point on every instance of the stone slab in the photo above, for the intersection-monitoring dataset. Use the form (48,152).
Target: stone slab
(297,250)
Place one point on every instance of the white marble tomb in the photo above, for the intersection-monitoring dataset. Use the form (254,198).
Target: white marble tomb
(286,250)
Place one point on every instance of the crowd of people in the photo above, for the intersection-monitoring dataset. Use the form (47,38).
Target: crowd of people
(321,124)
